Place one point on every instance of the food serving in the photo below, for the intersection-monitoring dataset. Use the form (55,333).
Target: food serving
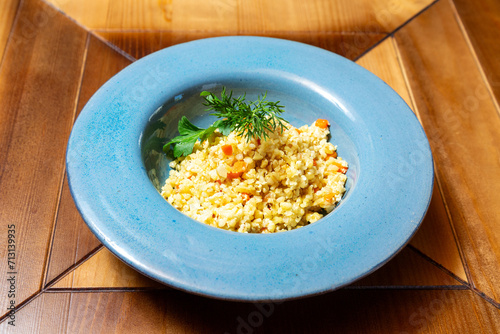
(116,168)
(252,171)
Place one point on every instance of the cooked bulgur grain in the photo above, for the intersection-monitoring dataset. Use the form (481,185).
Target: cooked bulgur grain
(287,181)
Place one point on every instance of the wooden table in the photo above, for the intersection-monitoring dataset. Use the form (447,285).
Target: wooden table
(441,56)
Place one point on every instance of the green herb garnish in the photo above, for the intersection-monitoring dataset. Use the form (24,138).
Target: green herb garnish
(249,120)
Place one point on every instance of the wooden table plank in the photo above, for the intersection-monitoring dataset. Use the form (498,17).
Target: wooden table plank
(239,16)
(72,238)
(481,20)
(48,313)
(462,124)
(139,44)
(345,311)
(8,11)
(39,82)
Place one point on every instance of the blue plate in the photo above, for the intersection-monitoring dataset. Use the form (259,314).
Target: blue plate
(115,168)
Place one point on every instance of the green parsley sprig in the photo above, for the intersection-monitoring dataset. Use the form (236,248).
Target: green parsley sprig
(249,120)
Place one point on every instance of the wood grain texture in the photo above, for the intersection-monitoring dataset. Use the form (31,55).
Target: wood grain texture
(462,124)
(46,314)
(140,44)
(72,239)
(346,311)
(429,62)
(104,270)
(8,10)
(240,16)
(435,237)
(64,282)
(481,20)
(39,82)
(383,61)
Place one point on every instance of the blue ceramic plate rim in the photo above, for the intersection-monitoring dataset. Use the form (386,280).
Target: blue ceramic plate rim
(118,202)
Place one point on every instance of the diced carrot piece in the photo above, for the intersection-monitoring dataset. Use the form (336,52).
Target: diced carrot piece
(227,149)
(341,167)
(245,196)
(234,175)
(237,170)
(337,163)
(322,123)
(239,166)
(329,197)
(314,163)
(333,155)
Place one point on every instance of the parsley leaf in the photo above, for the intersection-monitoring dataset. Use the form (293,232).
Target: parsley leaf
(189,135)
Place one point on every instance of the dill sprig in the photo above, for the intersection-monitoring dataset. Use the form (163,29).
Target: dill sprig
(248,120)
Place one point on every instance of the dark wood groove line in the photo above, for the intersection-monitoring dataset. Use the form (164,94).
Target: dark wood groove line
(22,304)
(73,267)
(466,284)
(406,287)
(28,300)
(47,287)
(350,287)
(219,32)
(486,297)
(81,26)
(56,214)
(474,56)
(96,34)
(48,249)
(393,32)
(104,289)
(440,266)
(452,226)
(14,22)
(113,46)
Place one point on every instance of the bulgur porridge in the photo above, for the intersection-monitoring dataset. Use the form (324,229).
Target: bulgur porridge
(288,181)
